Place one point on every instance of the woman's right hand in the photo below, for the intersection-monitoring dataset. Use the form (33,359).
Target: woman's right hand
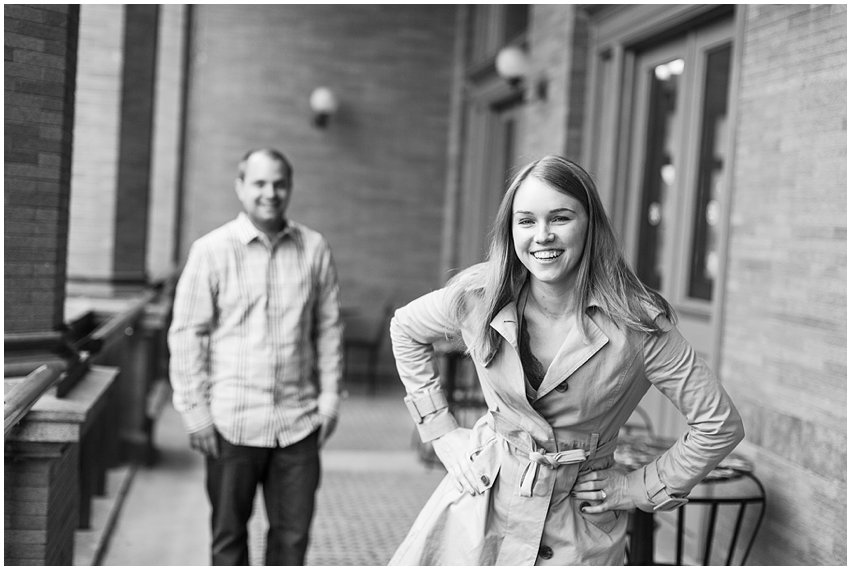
(451,448)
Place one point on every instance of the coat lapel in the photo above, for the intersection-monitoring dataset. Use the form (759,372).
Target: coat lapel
(574,352)
(505,323)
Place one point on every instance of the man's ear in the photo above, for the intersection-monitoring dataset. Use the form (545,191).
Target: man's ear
(237,187)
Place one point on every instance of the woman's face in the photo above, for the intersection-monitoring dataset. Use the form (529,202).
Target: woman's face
(548,228)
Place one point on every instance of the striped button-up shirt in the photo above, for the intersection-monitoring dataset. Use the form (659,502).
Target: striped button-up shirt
(256,334)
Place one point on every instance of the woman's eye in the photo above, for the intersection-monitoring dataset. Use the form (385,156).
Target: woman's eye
(524,222)
(561,219)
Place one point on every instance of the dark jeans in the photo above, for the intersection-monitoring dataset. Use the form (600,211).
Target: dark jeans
(289,476)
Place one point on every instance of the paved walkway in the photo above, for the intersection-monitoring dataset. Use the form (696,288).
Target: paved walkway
(372,488)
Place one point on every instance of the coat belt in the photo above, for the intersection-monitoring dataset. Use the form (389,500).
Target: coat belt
(525,443)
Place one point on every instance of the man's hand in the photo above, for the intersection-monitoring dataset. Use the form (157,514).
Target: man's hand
(205,441)
(326,429)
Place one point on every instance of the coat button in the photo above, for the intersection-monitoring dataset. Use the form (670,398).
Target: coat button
(562,387)
(485,480)
(545,552)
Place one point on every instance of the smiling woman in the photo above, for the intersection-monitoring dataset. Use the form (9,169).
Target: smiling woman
(566,341)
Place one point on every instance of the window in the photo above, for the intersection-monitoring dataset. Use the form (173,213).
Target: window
(677,164)
(710,176)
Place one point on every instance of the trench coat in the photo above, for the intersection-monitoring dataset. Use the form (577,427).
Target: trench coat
(525,447)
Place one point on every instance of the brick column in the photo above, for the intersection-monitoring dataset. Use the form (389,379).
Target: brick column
(112,170)
(134,156)
(40,70)
(40,502)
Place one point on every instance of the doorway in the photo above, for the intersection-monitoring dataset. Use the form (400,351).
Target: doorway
(676,184)
(494,125)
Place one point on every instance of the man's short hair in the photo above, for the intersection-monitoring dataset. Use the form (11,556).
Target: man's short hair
(272,153)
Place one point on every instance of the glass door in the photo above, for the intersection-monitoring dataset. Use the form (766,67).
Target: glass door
(677,162)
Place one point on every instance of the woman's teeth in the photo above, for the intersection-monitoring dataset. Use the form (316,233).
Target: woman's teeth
(546,255)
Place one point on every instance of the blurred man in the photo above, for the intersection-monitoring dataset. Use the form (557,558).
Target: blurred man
(256,362)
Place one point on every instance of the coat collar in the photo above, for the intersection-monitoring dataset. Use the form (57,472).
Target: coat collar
(575,350)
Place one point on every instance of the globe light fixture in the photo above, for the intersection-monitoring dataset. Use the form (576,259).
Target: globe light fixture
(323,103)
(512,64)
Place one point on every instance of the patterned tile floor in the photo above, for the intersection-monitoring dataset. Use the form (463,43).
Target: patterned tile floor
(373,486)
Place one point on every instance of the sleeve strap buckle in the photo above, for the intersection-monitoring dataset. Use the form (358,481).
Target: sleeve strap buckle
(657,491)
(421,405)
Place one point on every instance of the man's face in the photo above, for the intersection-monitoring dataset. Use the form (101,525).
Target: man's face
(264,192)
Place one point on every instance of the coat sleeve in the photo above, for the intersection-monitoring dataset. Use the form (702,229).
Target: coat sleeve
(413,330)
(714,425)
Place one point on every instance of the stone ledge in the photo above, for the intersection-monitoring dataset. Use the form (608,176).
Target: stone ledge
(66,419)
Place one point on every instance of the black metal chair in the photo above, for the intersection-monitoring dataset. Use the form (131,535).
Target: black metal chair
(701,535)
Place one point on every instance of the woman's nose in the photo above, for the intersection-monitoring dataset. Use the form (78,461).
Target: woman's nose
(544,234)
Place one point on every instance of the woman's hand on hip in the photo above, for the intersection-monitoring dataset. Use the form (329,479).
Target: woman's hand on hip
(604,490)
(451,448)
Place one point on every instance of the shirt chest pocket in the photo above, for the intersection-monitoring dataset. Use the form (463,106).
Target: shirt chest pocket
(239,297)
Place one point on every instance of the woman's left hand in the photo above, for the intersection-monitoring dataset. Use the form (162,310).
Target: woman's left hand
(605,490)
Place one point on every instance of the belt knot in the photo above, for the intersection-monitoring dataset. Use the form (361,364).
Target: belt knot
(551,460)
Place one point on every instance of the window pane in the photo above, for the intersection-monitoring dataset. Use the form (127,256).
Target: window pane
(660,172)
(703,259)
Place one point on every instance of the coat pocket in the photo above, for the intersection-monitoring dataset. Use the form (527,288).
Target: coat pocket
(486,461)
(605,521)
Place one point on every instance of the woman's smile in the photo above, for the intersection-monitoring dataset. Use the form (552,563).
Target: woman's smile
(547,255)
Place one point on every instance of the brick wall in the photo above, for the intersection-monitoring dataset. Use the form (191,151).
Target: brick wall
(165,175)
(784,348)
(558,51)
(373,182)
(40,504)
(40,66)
(95,165)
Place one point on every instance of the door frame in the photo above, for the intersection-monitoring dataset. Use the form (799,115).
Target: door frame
(486,99)
(616,34)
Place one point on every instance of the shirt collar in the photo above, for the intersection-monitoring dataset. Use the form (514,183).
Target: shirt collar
(248,232)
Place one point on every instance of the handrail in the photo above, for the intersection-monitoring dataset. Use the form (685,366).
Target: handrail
(23,396)
(100,336)
(24,341)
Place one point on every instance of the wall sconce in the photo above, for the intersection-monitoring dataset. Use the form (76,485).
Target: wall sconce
(323,103)
(512,64)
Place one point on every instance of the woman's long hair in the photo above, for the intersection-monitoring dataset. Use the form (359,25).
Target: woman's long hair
(481,291)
